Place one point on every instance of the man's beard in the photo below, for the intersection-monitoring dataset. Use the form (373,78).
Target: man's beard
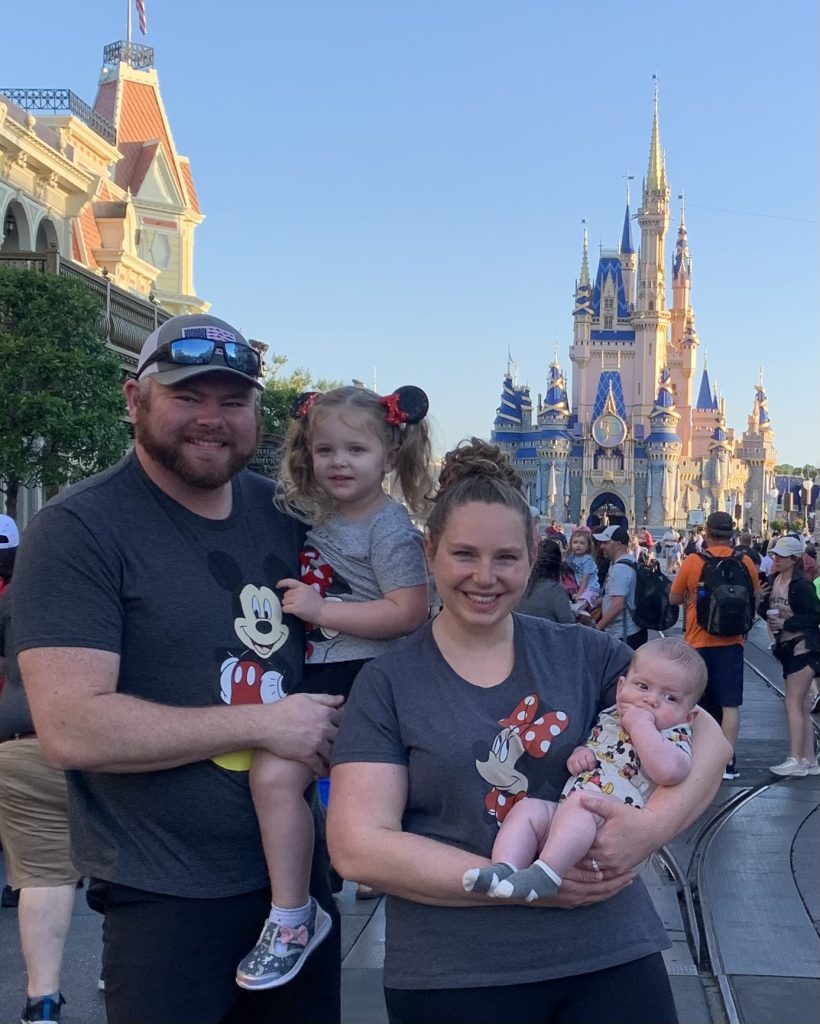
(169,453)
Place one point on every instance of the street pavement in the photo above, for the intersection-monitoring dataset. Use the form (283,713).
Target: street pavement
(762,874)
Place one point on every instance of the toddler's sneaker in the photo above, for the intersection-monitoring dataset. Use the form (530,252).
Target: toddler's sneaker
(41,1009)
(791,768)
(281,952)
(731,772)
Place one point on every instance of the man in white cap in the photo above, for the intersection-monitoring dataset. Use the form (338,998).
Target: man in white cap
(154,650)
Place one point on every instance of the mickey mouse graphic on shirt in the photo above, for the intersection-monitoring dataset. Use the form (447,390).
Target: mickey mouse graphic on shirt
(251,673)
(524,739)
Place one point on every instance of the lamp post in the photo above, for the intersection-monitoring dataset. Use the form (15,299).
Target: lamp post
(748,506)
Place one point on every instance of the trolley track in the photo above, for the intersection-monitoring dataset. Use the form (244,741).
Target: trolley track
(696,910)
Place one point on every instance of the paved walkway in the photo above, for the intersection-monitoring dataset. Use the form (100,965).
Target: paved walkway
(760,875)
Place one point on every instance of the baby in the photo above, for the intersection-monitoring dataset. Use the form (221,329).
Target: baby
(642,741)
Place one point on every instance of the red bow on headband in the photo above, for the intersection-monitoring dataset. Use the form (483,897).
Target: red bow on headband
(536,734)
(394,415)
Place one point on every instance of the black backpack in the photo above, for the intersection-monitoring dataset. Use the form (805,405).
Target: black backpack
(725,604)
(652,608)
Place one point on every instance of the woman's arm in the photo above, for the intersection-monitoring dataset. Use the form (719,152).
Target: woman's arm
(628,837)
(367,843)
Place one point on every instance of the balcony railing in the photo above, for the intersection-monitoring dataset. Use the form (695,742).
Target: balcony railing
(62,101)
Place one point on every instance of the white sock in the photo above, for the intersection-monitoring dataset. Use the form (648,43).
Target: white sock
(288,916)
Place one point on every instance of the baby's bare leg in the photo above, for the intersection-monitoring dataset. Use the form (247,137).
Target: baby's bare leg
(570,835)
(523,832)
(286,823)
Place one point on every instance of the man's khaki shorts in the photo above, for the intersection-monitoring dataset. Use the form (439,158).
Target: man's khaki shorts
(33,818)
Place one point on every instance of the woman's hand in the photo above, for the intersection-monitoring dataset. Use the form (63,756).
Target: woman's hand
(583,886)
(624,840)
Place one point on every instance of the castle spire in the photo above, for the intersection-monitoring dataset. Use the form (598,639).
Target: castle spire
(655,175)
(584,282)
(626,234)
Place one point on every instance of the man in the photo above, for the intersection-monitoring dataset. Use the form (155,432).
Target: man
(153,649)
(744,544)
(33,824)
(554,532)
(618,601)
(723,654)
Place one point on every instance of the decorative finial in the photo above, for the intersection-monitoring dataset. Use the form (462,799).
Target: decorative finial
(555,354)
(629,177)
(682,216)
(760,376)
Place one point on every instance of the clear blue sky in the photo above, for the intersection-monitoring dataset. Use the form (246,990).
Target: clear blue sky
(399,187)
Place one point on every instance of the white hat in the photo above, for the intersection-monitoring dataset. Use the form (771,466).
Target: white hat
(788,547)
(9,534)
(617,533)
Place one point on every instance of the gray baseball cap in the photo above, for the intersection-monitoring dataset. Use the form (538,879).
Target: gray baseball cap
(193,326)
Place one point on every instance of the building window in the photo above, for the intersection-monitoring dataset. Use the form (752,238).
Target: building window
(608,323)
(609,303)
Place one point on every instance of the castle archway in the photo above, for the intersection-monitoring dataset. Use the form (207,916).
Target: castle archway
(607,509)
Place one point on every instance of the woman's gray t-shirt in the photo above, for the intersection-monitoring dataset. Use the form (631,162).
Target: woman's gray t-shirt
(470,751)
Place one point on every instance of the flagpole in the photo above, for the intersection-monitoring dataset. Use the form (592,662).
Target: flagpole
(128,22)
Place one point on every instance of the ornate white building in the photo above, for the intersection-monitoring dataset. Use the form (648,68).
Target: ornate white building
(635,442)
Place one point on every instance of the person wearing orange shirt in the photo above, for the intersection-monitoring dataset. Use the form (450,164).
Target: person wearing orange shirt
(723,654)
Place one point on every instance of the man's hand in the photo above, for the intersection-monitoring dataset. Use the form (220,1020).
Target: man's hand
(303,601)
(580,760)
(303,728)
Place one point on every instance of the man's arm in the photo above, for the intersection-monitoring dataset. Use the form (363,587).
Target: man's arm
(83,723)
(615,607)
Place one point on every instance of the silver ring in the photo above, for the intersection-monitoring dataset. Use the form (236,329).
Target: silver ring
(595,866)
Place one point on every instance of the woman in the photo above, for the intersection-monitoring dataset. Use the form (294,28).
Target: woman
(469,715)
(545,597)
(796,632)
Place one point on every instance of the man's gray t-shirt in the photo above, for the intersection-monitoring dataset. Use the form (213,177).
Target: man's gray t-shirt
(470,754)
(189,605)
(620,582)
(360,560)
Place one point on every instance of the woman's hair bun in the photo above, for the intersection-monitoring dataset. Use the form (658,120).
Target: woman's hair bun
(477,458)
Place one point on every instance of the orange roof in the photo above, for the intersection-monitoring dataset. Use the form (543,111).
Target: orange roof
(106,101)
(144,157)
(91,234)
(193,200)
(140,121)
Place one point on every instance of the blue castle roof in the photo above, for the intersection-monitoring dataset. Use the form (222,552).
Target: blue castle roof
(607,377)
(515,401)
(706,399)
(609,267)
(626,235)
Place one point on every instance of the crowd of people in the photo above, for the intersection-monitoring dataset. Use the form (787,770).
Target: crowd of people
(189,646)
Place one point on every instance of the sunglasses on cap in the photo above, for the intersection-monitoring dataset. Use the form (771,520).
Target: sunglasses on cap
(201,352)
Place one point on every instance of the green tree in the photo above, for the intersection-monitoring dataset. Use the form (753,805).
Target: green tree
(280,391)
(61,403)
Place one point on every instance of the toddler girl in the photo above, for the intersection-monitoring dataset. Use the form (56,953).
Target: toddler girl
(585,570)
(363,584)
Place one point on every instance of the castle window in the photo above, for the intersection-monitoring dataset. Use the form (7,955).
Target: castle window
(609,303)
(608,323)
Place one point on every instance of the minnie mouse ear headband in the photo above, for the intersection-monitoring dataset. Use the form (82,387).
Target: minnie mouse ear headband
(407,404)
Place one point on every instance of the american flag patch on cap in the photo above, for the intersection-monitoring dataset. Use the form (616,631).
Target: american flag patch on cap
(210,333)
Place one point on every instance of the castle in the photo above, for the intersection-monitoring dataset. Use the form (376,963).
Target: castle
(636,443)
